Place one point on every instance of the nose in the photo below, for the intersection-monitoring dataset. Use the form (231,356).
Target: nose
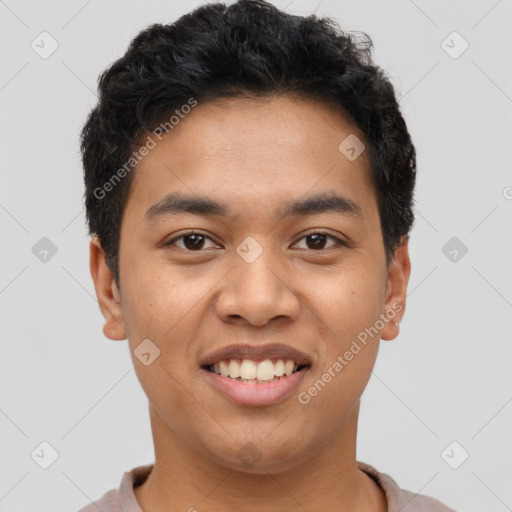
(257,292)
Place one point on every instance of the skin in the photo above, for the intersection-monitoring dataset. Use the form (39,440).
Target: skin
(253,155)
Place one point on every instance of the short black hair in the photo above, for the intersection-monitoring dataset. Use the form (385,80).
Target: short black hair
(249,47)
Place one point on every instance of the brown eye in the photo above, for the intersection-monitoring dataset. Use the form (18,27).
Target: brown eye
(191,241)
(316,241)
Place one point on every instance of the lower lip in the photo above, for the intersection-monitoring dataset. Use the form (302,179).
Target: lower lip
(256,394)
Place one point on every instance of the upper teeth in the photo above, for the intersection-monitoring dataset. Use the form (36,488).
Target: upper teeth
(248,369)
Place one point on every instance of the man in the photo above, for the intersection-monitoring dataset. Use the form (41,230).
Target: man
(249,187)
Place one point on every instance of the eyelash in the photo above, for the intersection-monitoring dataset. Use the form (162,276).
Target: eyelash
(339,242)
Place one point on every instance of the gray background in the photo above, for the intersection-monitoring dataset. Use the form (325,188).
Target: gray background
(445,378)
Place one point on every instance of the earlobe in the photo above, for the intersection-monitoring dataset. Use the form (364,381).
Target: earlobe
(107,293)
(398,278)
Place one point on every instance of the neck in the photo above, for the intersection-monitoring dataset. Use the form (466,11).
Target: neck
(183,479)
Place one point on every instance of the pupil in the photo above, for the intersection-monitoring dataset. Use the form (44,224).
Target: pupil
(316,237)
(198,241)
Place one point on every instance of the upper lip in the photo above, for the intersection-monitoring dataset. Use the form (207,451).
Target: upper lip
(257,353)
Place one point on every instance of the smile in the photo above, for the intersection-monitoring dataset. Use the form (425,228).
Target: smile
(255,383)
(248,370)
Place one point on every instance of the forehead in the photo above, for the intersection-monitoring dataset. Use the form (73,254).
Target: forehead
(254,152)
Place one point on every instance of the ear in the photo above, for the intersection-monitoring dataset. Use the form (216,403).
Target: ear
(107,293)
(399,271)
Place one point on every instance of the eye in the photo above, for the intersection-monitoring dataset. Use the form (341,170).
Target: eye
(318,239)
(192,241)
(195,241)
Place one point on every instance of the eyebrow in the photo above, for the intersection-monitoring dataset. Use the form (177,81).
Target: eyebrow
(175,203)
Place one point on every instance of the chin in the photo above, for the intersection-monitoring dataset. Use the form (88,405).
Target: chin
(259,456)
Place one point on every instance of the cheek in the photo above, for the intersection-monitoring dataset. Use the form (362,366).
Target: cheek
(348,299)
(155,300)
(162,307)
(348,306)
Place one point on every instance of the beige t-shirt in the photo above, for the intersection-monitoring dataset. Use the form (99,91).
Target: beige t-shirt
(399,500)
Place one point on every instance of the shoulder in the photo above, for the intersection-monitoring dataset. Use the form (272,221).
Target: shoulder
(109,502)
(122,499)
(400,499)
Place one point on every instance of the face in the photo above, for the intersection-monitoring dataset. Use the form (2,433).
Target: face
(196,278)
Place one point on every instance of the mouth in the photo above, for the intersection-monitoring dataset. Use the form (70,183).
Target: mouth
(255,375)
(253,371)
